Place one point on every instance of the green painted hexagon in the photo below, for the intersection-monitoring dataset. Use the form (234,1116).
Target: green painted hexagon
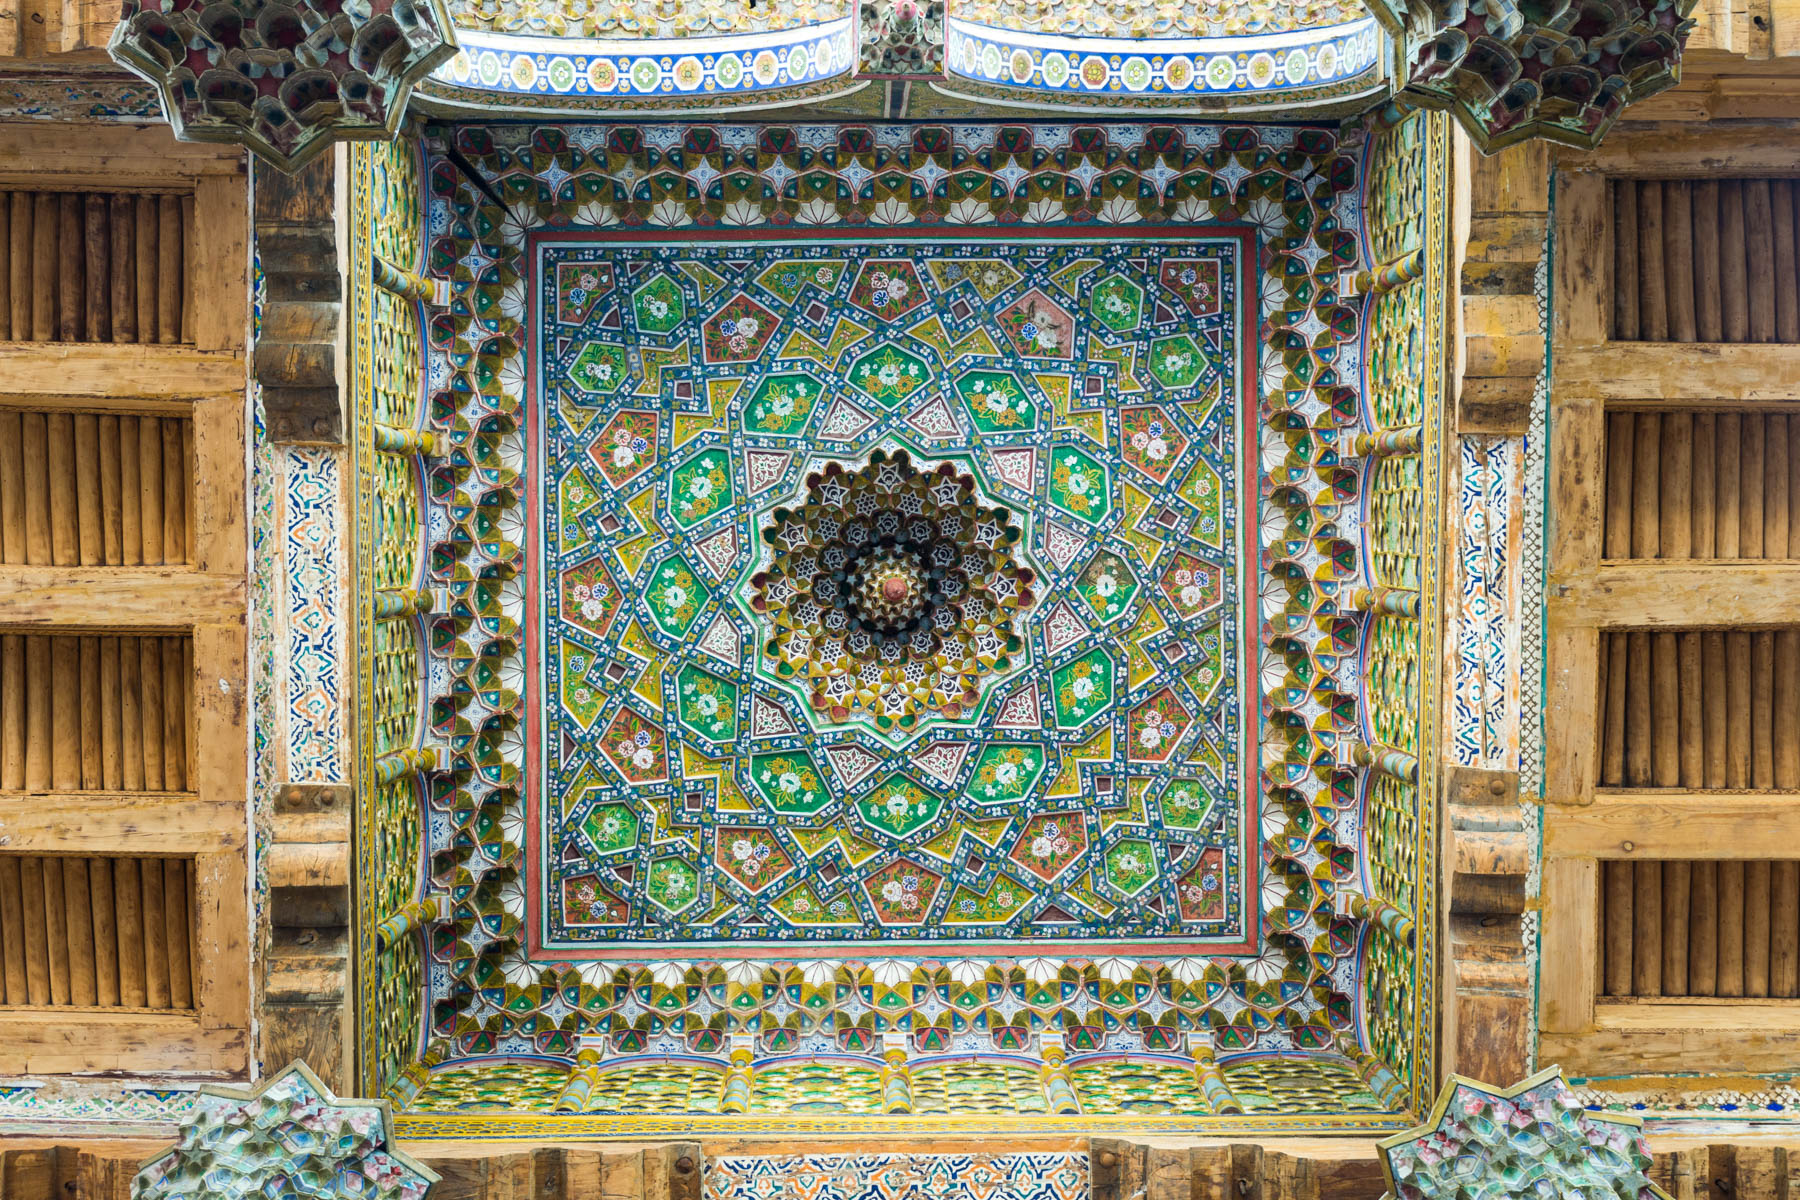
(1186,803)
(1117,303)
(675,594)
(1081,689)
(611,827)
(599,369)
(996,401)
(889,374)
(1176,361)
(672,884)
(898,806)
(657,305)
(706,704)
(790,781)
(1131,866)
(700,487)
(1006,773)
(782,404)
(1107,586)
(1079,485)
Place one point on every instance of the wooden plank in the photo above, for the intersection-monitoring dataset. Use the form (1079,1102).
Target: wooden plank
(12,489)
(220,943)
(64,521)
(150,823)
(1571,946)
(1784,928)
(1734,280)
(12,712)
(1703,928)
(1698,375)
(1693,711)
(56,936)
(12,930)
(1675,522)
(1676,900)
(1646,529)
(1678,258)
(122,214)
(1578,488)
(148,155)
(1666,709)
(1668,1038)
(119,596)
(1674,595)
(1619,934)
(128,899)
(1709,323)
(1653,305)
(1627,282)
(1756,928)
(102,908)
(1759,236)
(1640,695)
(1731,927)
(1574,676)
(121,1043)
(1672,824)
(221,263)
(78,925)
(220,544)
(122,371)
(1584,259)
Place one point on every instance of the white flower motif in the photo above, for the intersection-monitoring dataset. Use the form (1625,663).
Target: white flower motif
(1082,686)
(969,211)
(1041,970)
(892,892)
(1116,970)
(1044,210)
(1118,210)
(890,211)
(741,212)
(817,211)
(741,849)
(668,212)
(675,596)
(1150,737)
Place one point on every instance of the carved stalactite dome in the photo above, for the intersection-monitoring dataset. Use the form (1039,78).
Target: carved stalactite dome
(285,79)
(1562,71)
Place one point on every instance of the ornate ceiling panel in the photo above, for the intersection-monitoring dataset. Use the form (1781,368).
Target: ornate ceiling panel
(929,613)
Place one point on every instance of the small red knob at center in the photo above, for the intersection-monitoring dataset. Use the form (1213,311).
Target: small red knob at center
(894,588)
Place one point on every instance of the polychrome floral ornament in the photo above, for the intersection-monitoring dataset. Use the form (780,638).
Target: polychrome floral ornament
(286,79)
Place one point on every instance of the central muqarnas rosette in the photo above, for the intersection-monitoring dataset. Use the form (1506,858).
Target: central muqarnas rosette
(893,592)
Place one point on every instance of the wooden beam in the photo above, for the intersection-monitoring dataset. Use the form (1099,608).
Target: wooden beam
(165,823)
(1570,953)
(118,597)
(1674,824)
(39,1042)
(1633,1038)
(148,156)
(124,371)
(1691,374)
(1680,593)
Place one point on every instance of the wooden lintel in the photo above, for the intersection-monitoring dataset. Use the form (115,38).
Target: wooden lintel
(79,369)
(118,597)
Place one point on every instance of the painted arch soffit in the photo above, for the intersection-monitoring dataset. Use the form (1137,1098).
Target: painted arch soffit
(1266,56)
(903,621)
